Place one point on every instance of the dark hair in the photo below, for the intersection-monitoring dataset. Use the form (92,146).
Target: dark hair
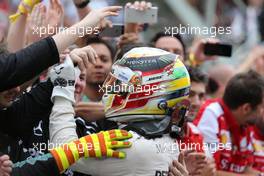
(197,75)
(163,34)
(127,47)
(244,88)
(98,40)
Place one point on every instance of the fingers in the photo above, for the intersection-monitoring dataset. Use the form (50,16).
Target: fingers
(4,158)
(118,135)
(91,54)
(52,4)
(111,11)
(181,159)
(85,57)
(180,167)
(119,144)
(7,169)
(42,15)
(116,154)
(78,60)
(187,152)
(173,171)
(6,164)
(143,5)
(114,9)
(197,156)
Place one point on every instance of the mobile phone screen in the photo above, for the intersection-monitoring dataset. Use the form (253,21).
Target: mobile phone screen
(218,49)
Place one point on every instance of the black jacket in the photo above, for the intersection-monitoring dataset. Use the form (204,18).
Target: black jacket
(19,67)
(19,119)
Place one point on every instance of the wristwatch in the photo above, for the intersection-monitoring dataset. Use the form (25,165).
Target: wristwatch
(83,4)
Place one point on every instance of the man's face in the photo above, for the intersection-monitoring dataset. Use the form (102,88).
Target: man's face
(254,115)
(7,97)
(80,86)
(96,74)
(170,44)
(196,98)
(260,123)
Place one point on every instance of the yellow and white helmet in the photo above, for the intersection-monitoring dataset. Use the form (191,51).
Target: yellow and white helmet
(144,84)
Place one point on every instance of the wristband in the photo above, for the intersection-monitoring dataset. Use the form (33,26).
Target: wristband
(24,7)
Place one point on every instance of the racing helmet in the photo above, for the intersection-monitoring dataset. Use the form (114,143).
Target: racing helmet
(144,85)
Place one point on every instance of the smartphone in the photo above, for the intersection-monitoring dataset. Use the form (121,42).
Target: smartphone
(115,31)
(218,49)
(137,16)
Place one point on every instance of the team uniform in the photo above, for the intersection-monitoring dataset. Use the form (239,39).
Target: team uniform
(22,66)
(151,83)
(228,143)
(24,131)
(146,157)
(258,145)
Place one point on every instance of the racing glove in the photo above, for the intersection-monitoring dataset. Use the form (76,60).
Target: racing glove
(25,7)
(64,77)
(92,146)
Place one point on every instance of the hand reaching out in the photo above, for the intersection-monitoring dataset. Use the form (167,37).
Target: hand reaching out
(90,111)
(5,166)
(55,13)
(96,16)
(197,50)
(141,6)
(36,21)
(127,38)
(83,56)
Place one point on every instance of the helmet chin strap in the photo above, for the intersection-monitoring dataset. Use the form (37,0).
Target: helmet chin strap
(156,128)
(150,129)
(176,129)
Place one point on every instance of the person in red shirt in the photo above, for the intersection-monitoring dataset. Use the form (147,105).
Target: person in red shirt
(257,138)
(192,139)
(222,123)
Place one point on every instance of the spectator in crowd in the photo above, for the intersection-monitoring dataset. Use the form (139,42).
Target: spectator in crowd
(257,135)
(167,42)
(245,25)
(91,108)
(197,94)
(96,74)
(222,123)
